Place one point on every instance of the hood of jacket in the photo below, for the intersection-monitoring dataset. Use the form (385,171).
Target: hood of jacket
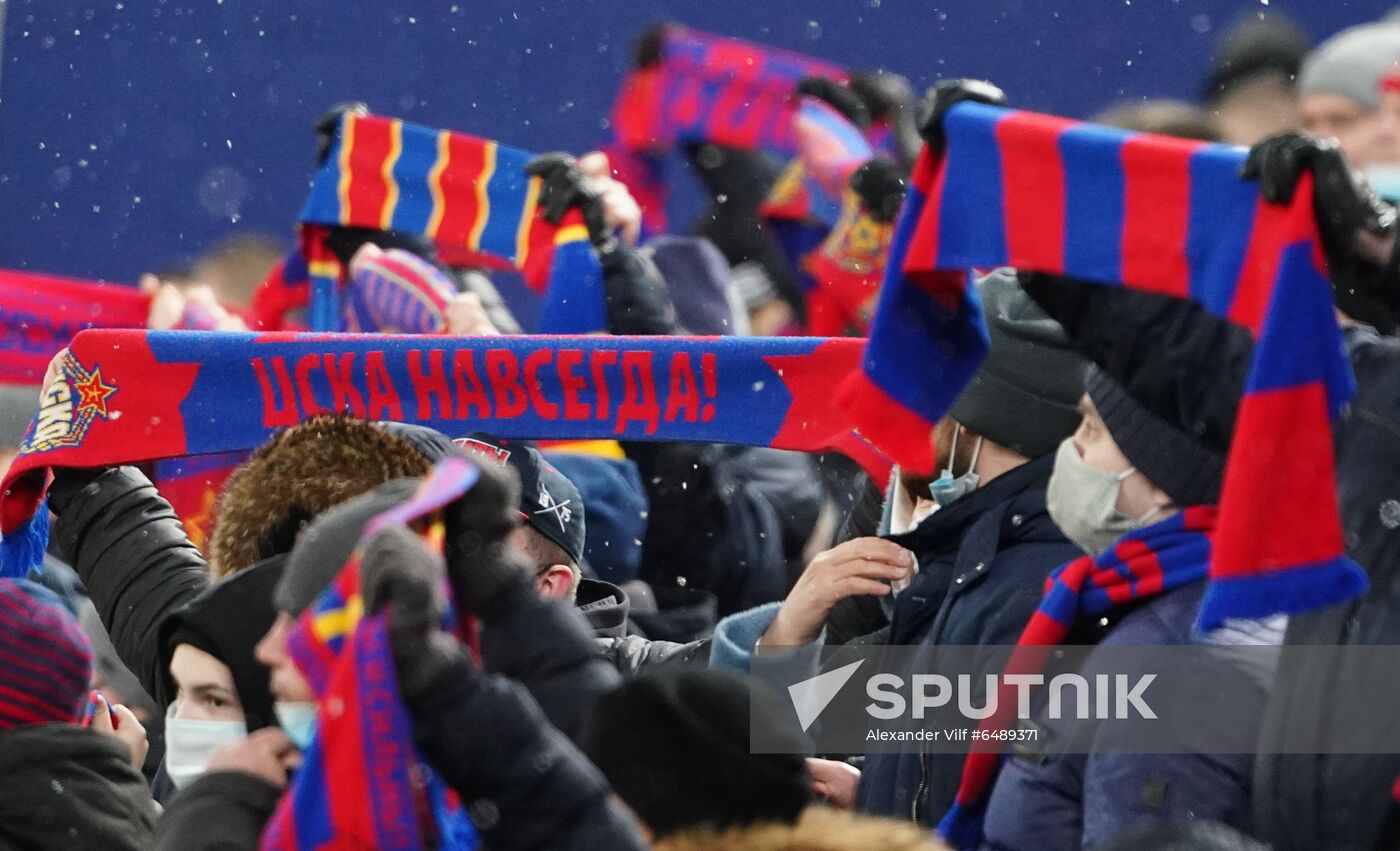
(65,787)
(604,606)
(819,829)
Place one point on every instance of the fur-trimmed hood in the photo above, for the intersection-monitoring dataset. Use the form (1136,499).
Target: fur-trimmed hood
(819,829)
(297,475)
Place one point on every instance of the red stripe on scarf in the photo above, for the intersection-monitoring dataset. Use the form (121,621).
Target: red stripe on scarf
(1156,209)
(1033,185)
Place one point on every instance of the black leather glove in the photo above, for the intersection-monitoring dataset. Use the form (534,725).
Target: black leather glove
(880,185)
(329,123)
(564,188)
(890,98)
(480,561)
(1357,228)
(939,99)
(840,98)
(650,46)
(398,573)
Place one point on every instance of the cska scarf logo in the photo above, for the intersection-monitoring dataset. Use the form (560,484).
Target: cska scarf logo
(69,407)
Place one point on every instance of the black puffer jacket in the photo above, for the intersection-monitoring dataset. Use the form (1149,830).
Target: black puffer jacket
(63,787)
(132,554)
(1305,801)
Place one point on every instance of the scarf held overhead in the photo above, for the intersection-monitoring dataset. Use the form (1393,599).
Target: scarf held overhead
(39,314)
(361,782)
(133,396)
(1144,563)
(469,196)
(1156,214)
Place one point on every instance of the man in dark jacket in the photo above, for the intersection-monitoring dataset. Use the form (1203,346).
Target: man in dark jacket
(62,786)
(1305,801)
(982,556)
(525,784)
(1159,415)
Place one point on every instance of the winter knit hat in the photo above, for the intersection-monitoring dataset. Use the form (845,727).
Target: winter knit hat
(697,277)
(1167,382)
(1026,395)
(45,658)
(227,620)
(674,745)
(1255,48)
(1352,63)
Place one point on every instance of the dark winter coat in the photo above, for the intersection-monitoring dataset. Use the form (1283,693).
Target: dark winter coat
(982,568)
(487,737)
(132,554)
(1306,801)
(64,787)
(1069,801)
(606,607)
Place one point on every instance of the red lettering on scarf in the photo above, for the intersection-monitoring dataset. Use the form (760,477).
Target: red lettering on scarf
(597,360)
(344,395)
(278,410)
(572,384)
(638,393)
(428,384)
(685,394)
(503,372)
(533,362)
(709,373)
(309,404)
(470,392)
(383,395)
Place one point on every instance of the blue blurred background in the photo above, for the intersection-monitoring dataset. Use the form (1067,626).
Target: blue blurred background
(136,133)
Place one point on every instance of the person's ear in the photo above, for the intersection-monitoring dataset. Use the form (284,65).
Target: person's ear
(555,582)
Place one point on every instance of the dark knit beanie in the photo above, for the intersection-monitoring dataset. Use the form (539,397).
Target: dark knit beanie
(1168,381)
(674,744)
(227,620)
(45,658)
(1190,472)
(1026,395)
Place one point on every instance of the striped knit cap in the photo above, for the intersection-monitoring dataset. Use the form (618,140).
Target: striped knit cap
(45,658)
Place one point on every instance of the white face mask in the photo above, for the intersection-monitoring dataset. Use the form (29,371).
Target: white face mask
(1083,502)
(298,721)
(190,743)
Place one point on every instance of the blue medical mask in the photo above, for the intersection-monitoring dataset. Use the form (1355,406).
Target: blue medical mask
(1384,179)
(946,489)
(189,744)
(298,721)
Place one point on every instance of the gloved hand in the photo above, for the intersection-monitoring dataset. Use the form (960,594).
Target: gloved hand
(880,185)
(481,563)
(564,188)
(890,99)
(1357,228)
(398,573)
(939,99)
(650,45)
(840,98)
(329,122)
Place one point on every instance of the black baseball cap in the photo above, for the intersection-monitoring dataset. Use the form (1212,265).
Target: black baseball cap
(549,502)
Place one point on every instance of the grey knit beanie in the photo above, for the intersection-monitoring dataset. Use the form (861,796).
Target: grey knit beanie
(1026,395)
(1351,63)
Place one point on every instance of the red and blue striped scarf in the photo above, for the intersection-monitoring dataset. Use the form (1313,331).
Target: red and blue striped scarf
(1144,563)
(705,88)
(469,196)
(1157,214)
(39,314)
(362,783)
